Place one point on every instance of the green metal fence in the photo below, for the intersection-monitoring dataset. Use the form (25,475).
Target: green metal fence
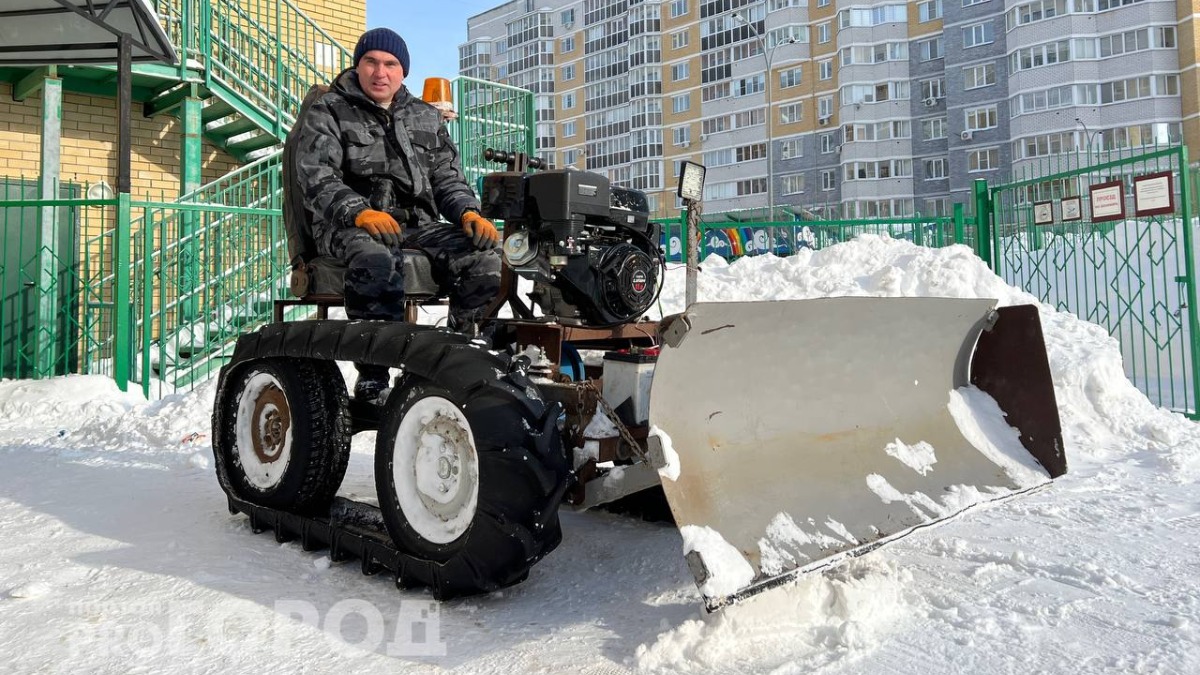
(734,234)
(1110,239)
(490,115)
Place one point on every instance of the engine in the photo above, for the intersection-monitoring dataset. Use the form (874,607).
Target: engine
(588,247)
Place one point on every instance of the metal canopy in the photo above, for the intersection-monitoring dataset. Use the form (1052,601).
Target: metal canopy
(39,32)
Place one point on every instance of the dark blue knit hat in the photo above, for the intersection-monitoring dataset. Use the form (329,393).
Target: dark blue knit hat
(386,40)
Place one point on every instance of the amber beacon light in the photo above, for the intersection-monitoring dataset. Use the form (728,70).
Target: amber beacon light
(437,93)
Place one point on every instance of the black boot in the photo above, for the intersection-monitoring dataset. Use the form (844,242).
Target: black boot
(373,383)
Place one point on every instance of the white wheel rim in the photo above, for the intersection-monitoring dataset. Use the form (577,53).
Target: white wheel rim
(264,431)
(435,469)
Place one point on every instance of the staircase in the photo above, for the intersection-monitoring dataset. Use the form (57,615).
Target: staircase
(250,63)
(210,265)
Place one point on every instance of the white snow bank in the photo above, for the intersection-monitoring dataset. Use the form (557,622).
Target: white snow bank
(91,411)
(815,622)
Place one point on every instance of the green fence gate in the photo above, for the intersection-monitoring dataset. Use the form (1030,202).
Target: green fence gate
(1111,241)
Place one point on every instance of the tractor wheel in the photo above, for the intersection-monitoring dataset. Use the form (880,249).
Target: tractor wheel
(283,433)
(470,472)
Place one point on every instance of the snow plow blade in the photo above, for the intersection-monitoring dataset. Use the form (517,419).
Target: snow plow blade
(807,431)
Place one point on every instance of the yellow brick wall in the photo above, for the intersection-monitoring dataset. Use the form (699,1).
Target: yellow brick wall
(344,20)
(89,142)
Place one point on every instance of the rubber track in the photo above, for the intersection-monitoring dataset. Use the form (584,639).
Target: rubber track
(450,360)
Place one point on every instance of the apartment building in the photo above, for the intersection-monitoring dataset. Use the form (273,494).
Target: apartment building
(872,109)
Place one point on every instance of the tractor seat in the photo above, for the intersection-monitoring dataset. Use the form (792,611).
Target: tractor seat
(321,282)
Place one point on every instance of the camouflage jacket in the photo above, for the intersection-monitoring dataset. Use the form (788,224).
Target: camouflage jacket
(353,154)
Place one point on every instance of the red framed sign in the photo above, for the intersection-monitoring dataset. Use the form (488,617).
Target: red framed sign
(1154,194)
(1107,201)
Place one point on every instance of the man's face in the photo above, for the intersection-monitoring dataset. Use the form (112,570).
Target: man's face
(380,76)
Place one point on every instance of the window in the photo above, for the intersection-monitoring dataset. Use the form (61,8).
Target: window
(678,8)
(679,39)
(930,49)
(828,180)
(828,144)
(570,157)
(979,119)
(968,3)
(977,34)
(983,160)
(825,69)
(929,10)
(790,78)
(791,148)
(793,183)
(569,129)
(933,129)
(932,90)
(568,100)
(792,112)
(568,44)
(825,107)
(938,206)
(822,3)
(983,75)
(567,16)
(873,16)
(681,103)
(824,32)
(936,169)
(679,71)
(681,136)
(749,85)
(568,72)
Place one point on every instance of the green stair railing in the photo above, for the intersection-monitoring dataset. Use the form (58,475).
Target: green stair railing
(259,56)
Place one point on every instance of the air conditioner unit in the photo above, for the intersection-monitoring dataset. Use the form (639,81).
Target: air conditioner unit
(966,135)
(685,144)
(823,121)
(704,137)
(930,102)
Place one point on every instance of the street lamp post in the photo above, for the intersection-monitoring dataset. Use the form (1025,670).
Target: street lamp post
(1088,135)
(768,57)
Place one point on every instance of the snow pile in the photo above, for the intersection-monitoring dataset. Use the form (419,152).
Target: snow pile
(91,411)
(817,621)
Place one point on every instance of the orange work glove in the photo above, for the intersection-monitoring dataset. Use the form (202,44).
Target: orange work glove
(380,225)
(481,230)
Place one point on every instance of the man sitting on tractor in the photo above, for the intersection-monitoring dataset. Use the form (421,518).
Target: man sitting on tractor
(378,170)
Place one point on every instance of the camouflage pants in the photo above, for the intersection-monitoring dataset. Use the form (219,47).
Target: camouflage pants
(375,280)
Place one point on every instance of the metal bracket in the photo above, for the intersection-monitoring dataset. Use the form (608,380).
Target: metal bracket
(674,329)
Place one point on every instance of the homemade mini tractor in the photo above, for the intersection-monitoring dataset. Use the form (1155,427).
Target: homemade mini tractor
(784,435)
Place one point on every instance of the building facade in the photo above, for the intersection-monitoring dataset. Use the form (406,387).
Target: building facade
(869,109)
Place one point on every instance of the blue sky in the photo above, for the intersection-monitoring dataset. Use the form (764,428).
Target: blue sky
(433,31)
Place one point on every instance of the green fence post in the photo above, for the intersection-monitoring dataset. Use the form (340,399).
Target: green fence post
(1186,197)
(191,161)
(960,228)
(983,221)
(122,328)
(146,302)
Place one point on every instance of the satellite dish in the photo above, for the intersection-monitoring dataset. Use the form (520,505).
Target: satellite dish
(99,190)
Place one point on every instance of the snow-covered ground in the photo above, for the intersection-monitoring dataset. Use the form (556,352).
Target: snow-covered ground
(119,555)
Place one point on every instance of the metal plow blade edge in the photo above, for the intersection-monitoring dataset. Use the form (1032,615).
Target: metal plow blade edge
(811,430)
